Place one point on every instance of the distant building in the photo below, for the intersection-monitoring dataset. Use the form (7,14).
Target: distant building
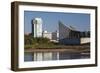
(65,35)
(69,35)
(37,27)
(53,36)
(46,34)
(67,32)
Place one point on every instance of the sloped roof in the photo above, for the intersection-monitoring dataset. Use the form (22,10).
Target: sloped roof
(70,27)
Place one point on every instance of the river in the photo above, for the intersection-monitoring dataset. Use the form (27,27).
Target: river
(48,56)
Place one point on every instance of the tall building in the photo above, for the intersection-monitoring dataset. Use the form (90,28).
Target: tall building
(37,27)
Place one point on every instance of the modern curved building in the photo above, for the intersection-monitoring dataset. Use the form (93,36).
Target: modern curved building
(69,35)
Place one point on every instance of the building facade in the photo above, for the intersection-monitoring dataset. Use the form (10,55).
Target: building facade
(69,35)
(37,27)
(46,34)
(53,36)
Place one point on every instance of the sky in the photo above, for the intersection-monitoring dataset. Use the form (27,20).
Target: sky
(50,20)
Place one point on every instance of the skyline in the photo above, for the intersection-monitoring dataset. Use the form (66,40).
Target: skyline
(50,20)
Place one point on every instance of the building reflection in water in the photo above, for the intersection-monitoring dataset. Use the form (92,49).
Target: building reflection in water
(46,56)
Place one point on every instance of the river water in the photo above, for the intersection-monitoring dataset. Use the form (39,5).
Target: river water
(47,56)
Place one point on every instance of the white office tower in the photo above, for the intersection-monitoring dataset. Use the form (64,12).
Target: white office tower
(37,27)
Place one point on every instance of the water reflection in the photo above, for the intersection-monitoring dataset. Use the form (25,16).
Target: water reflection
(45,56)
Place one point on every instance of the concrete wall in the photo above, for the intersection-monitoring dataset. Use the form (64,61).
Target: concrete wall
(84,40)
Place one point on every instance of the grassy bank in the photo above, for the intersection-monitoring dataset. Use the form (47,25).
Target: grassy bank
(45,43)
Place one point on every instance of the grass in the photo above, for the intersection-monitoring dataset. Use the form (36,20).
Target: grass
(56,46)
(44,43)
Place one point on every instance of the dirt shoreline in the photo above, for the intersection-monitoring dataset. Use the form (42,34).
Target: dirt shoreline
(74,48)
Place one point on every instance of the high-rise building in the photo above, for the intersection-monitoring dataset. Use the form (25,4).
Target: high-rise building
(37,27)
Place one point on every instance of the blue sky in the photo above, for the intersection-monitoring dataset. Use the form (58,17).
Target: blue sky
(50,20)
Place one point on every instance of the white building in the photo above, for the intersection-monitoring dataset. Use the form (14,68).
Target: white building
(47,35)
(53,36)
(37,27)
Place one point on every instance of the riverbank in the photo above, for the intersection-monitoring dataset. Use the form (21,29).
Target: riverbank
(67,48)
